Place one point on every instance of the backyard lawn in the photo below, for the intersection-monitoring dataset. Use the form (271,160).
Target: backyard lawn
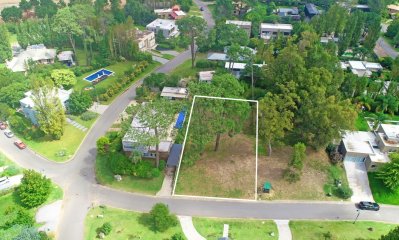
(212,228)
(342,230)
(185,70)
(118,69)
(129,183)
(382,194)
(125,225)
(361,124)
(59,150)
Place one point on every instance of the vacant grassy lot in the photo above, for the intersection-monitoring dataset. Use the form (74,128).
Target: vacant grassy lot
(125,225)
(229,172)
(316,173)
(69,143)
(239,229)
(342,230)
(118,69)
(129,183)
(382,194)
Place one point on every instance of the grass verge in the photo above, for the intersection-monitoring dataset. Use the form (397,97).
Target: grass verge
(59,150)
(125,225)
(343,230)
(212,228)
(382,194)
(185,70)
(129,183)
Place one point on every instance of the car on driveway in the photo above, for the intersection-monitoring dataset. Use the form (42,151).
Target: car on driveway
(368,206)
(201,9)
(8,133)
(21,145)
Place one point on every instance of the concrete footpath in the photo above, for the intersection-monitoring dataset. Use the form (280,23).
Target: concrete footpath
(189,230)
(284,231)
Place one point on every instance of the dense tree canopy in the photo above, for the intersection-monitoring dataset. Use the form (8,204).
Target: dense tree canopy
(34,189)
(5,46)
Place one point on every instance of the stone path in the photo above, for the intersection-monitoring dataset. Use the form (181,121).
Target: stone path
(284,231)
(167,186)
(188,228)
(49,215)
(76,125)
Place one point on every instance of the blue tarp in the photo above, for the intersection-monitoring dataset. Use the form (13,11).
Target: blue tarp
(180,119)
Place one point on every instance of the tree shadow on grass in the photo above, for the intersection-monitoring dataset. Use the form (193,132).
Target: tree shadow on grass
(145,220)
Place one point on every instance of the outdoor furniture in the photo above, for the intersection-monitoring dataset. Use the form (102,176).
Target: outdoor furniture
(267,187)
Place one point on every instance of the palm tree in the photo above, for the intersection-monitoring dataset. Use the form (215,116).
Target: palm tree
(364,100)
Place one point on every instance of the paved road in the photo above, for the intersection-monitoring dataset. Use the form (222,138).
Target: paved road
(382,44)
(206,13)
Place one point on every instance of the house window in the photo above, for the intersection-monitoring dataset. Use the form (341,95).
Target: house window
(373,166)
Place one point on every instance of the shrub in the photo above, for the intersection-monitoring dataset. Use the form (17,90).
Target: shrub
(34,189)
(344,192)
(291,175)
(106,228)
(298,156)
(103,145)
(87,116)
(78,103)
(18,216)
(392,235)
(120,164)
(162,165)
(177,236)
(145,169)
(161,218)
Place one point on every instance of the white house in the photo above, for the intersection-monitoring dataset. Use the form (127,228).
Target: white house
(28,105)
(145,40)
(66,57)
(362,68)
(372,148)
(166,27)
(271,30)
(245,25)
(36,53)
(174,93)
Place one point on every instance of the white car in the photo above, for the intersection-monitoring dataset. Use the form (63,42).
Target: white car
(8,133)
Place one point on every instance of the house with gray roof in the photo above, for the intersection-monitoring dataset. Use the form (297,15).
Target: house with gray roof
(36,53)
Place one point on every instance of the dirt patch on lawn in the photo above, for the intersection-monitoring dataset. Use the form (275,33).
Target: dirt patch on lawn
(229,172)
(313,178)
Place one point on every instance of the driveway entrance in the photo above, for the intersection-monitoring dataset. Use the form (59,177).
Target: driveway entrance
(357,177)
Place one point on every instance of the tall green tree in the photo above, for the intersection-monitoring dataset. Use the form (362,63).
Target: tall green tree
(5,46)
(161,218)
(65,23)
(275,118)
(63,77)
(156,117)
(389,172)
(224,8)
(34,189)
(11,14)
(192,27)
(50,113)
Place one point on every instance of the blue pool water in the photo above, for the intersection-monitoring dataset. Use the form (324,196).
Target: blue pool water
(98,74)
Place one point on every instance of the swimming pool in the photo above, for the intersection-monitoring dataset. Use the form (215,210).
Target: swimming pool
(99,75)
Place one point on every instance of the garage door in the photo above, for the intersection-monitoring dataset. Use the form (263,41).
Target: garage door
(354,158)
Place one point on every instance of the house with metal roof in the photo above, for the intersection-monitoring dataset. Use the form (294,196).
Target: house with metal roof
(245,25)
(174,93)
(311,10)
(362,68)
(166,27)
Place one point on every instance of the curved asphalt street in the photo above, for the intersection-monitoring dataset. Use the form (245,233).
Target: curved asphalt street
(77,178)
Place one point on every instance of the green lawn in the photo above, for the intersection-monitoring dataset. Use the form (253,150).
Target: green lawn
(382,194)
(342,230)
(212,228)
(129,183)
(118,69)
(168,56)
(13,38)
(69,143)
(4,161)
(361,124)
(125,225)
(194,11)
(79,120)
(185,69)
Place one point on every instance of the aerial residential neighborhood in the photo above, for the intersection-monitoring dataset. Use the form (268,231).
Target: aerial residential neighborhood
(199,119)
